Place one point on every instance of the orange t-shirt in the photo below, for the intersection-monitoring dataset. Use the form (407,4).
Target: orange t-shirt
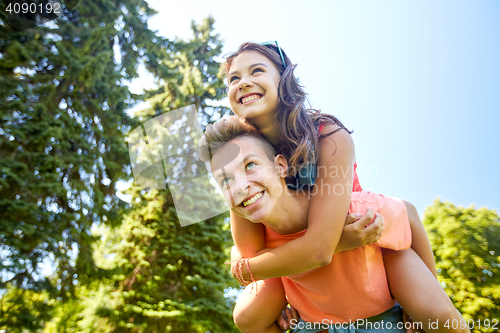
(354,285)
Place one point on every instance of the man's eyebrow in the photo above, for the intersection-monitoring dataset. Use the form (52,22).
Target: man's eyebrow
(251,66)
(220,175)
(250,156)
(221,172)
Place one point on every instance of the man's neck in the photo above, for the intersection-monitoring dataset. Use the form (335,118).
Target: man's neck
(290,214)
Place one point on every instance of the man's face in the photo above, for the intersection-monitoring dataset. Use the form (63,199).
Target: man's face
(251,182)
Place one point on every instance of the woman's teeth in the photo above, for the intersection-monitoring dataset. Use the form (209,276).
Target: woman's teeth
(252,200)
(249,98)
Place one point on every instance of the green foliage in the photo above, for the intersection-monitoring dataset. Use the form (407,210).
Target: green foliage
(171,278)
(24,309)
(78,313)
(63,102)
(63,122)
(191,75)
(466,244)
(63,98)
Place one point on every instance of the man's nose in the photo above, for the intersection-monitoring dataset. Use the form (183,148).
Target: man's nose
(240,189)
(241,185)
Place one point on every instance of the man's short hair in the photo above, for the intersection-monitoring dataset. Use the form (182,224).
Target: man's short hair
(227,129)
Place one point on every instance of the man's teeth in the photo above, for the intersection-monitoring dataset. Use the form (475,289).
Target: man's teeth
(252,200)
(249,98)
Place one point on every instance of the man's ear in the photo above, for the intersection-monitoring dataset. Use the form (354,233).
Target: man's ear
(282,165)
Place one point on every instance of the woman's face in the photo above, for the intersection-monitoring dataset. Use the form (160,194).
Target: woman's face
(253,87)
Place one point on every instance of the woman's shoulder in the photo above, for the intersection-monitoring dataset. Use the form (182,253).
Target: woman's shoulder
(333,131)
(327,129)
(335,139)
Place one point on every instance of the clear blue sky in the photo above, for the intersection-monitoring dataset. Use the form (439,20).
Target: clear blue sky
(418,81)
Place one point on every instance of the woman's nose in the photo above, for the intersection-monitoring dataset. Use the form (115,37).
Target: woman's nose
(245,82)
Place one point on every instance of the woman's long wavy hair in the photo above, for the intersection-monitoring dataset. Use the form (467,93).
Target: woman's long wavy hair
(298,125)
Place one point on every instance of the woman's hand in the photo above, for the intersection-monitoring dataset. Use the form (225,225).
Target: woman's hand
(235,256)
(360,230)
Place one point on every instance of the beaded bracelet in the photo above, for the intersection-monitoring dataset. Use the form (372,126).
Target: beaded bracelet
(241,279)
(249,271)
(254,282)
(238,271)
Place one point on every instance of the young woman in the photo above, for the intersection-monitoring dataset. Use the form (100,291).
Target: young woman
(264,92)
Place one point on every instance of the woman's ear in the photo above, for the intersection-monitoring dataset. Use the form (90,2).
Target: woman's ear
(281,164)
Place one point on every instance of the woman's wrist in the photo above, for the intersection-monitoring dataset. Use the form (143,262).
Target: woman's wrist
(241,271)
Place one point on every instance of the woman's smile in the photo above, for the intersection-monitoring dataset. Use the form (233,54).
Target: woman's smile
(253,87)
(249,98)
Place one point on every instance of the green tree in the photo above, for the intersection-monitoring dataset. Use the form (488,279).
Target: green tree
(31,309)
(63,99)
(466,244)
(172,278)
(78,313)
(190,76)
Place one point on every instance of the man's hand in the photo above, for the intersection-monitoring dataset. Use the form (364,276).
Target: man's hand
(284,320)
(407,319)
(360,230)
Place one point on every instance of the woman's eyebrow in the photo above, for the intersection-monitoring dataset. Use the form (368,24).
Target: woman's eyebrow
(258,64)
(250,67)
(233,73)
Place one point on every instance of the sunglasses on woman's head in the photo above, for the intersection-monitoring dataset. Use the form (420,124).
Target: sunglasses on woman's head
(279,50)
(265,44)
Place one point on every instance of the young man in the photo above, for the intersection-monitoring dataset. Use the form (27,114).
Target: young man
(353,285)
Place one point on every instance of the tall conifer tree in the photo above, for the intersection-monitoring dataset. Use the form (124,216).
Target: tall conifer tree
(62,114)
(172,278)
